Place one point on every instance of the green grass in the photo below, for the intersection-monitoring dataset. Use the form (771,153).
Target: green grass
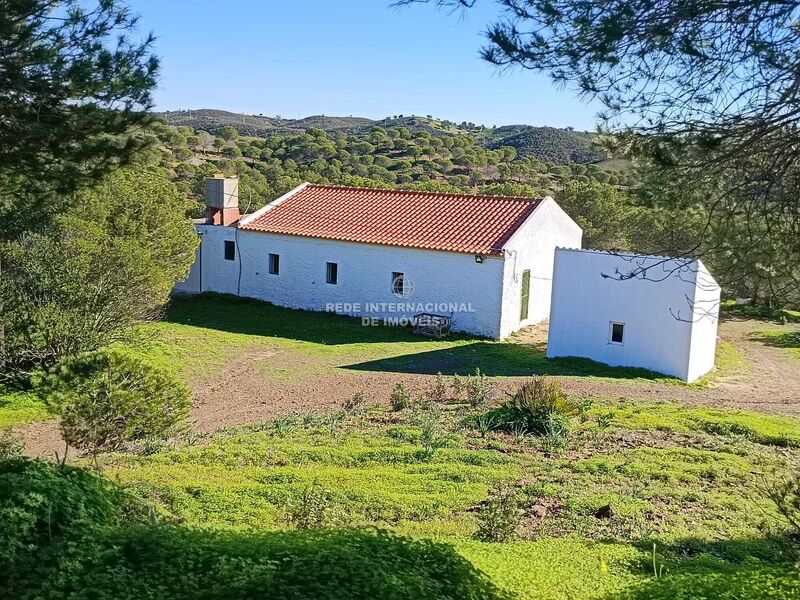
(685,479)
(204,333)
(781,338)
(758,311)
(20,408)
(662,416)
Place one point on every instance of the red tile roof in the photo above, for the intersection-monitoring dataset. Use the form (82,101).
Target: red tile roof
(428,220)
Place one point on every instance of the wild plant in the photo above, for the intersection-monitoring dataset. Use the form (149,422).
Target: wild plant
(519,432)
(584,407)
(479,389)
(604,420)
(332,420)
(540,406)
(311,509)
(437,392)
(284,424)
(400,398)
(484,424)
(500,515)
(433,433)
(355,404)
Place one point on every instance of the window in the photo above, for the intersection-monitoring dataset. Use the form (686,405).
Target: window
(397,284)
(332,273)
(525,295)
(617,332)
(230,250)
(274,264)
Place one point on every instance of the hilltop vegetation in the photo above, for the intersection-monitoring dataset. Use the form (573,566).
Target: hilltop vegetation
(547,144)
(271,156)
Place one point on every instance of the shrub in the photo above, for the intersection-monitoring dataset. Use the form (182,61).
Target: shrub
(479,388)
(499,515)
(400,398)
(433,434)
(540,406)
(321,564)
(10,446)
(69,533)
(108,398)
(311,509)
(785,494)
(41,502)
(438,390)
(355,404)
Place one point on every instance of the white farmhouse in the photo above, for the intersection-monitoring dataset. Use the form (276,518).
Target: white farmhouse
(630,310)
(485,261)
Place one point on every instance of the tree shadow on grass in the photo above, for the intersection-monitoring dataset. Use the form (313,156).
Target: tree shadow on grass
(778,339)
(741,569)
(254,317)
(499,359)
(69,532)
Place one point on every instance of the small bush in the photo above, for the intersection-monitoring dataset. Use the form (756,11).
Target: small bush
(355,404)
(400,398)
(479,389)
(311,509)
(499,516)
(10,446)
(540,406)
(785,494)
(40,503)
(107,398)
(433,434)
(437,392)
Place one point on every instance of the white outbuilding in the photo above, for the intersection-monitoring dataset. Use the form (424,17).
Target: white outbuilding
(486,262)
(631,310)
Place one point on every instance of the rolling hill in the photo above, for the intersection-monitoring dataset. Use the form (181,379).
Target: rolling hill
(548,144)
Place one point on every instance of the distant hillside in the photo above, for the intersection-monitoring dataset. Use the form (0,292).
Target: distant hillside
(212,121)
(547,144)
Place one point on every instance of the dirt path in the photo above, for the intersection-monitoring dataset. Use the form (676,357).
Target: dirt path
(244,394)
(265,383)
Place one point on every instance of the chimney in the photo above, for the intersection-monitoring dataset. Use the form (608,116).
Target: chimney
(222,200)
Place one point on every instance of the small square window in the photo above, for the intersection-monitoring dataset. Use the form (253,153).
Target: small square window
(617,333)
(398,281)
(274,264)
(332,273)
(230,250)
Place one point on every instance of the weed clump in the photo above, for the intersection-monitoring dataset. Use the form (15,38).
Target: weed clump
(538,407)
(400,398)
(437,392)
(355,404)
(479,389)
(500,515)
(311,509)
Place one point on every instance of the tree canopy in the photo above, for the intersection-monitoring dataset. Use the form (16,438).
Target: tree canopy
(74,91)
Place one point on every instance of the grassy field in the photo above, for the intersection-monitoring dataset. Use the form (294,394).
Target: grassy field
(689,516)
(685,481)
(202,333)
(20,408)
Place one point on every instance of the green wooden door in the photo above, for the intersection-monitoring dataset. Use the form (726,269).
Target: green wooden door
(526,292)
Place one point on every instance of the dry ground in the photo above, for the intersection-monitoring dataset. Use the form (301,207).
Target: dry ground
(267,379)
(768,381)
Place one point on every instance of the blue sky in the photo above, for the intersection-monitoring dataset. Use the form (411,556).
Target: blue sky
(344,57)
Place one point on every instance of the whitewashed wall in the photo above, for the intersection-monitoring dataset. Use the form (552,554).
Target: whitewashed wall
(364,276)
(662,331)
(532,247)
(705,315)
(491,290)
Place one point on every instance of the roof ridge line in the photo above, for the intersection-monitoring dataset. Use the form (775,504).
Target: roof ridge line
(427,193)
